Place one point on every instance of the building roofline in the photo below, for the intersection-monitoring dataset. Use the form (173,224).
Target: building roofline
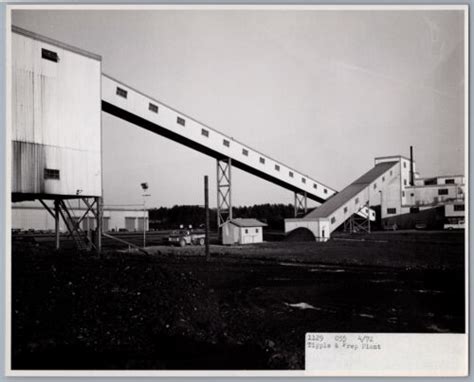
(18,207)
(258,223)
(440,176)
(435,185)
(393,156)
(57,43)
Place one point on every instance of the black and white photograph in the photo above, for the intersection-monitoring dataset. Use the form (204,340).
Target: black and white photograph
(225,189)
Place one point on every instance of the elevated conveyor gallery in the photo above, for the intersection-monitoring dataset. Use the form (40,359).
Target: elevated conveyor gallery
(133,106)
(353,199)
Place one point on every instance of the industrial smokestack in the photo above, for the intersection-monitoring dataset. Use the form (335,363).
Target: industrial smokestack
(412,173)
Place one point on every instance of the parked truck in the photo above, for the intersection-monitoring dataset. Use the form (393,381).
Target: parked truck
(186,237)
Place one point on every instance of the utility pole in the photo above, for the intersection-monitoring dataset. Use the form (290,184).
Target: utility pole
(206,207)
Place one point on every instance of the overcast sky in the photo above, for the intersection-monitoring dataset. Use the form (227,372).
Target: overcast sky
(322,91)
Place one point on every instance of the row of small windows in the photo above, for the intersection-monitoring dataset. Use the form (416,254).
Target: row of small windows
(151,106)
(181,121)
(247,231)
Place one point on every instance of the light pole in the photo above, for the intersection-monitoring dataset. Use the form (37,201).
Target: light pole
(144,188)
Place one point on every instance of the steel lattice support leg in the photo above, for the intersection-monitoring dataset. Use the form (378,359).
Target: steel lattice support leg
(301,204)
(99,228)
(224,194)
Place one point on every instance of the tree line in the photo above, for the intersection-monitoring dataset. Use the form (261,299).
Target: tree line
(173,217)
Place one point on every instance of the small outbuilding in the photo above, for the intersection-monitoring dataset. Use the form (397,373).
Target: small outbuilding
(242,231)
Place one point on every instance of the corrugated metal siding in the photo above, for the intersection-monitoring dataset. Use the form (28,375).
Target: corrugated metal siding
(56,120)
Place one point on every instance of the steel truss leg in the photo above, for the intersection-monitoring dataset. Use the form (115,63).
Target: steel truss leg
(357,224)
(301,204)
(99,224)
(224,194)
(98,215)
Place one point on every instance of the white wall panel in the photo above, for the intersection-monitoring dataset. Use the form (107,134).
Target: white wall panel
(56,119)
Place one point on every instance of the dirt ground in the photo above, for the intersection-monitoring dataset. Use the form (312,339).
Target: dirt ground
(248,308)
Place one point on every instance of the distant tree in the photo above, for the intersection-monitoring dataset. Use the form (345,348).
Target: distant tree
(168,218)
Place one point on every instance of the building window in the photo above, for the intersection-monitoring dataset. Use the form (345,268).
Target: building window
(412,194)
(245,152)
(345,210)
(449,181)
(391,172)
(414,210)
(315,185)
(180,121)
(246,230)
(333,220)
(153,108)
(356,201)
(121,92)
(404,182)
(325,191)
(383,179)
(226,143)
(403,194)
(459,207)
(375,186)
(430,182)
(205,133)
(443,191)
(49,55)
(262,160)
(256,230)
(303,180)
(277,167)
(404,164)
(50,173)
(291,174)
(391,211)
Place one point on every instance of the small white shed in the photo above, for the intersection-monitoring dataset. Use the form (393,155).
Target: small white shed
(242,231)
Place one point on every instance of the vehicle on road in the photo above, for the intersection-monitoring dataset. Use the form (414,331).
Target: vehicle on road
(456,225)
(186,237)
